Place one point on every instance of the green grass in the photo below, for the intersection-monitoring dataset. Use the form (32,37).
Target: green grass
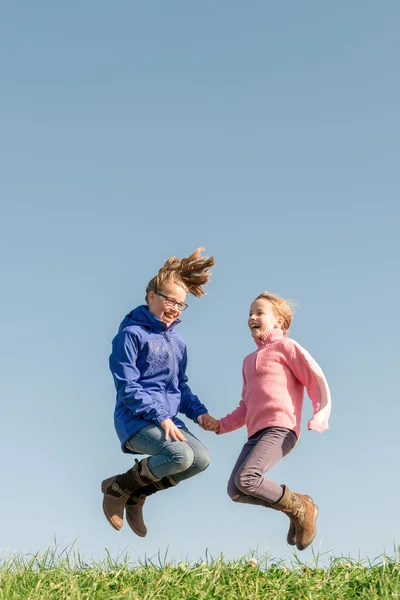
(66,575)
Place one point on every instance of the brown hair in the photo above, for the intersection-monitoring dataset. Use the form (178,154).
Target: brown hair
(282,308)
(191,273)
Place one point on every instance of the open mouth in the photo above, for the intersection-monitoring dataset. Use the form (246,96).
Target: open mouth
(255,328)
(169,316)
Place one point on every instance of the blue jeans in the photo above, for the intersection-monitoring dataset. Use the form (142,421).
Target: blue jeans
(180,459)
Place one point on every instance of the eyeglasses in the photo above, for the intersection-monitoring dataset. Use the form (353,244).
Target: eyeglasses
(169,302)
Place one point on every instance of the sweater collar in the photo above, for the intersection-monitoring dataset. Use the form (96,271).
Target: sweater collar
(270,336)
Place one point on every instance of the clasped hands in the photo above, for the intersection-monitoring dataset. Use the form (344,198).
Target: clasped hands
(208,423)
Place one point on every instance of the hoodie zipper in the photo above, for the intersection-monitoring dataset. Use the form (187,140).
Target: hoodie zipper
(172,354)
(168,339)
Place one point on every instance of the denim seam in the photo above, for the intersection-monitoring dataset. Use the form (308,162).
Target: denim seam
(160,463)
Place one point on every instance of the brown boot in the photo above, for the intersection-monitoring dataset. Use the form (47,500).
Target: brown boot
(118,489)
(134,506)
(134,514)
(303,515)
(291,536)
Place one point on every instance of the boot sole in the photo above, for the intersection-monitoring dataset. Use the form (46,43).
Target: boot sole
(140,534)
(107,516)
(304,546)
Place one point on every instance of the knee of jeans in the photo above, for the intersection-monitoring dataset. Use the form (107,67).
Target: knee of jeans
(184,457)
(202,460)
(247,482)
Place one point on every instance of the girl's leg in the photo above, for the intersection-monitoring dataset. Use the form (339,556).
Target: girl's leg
(201,457)
(192,449)
(127,490)
(247,483)
(168,457)
(233,492)
(253,488)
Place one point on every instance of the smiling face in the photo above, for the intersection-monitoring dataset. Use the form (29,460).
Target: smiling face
(263,318)
(158,305)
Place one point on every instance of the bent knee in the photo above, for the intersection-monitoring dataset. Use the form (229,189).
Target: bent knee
(247,483)
(202,460)
(235,497)
(183,459)
(233,492)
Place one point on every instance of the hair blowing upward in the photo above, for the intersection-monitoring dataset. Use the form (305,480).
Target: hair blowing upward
(192,273)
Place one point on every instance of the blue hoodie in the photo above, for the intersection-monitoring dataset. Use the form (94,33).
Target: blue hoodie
(148,363)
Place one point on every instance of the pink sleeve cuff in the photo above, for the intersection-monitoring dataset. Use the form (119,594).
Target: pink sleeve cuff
(320,427)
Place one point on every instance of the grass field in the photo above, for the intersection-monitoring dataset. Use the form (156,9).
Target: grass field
(66,575)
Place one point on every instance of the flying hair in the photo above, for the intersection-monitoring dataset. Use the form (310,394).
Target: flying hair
(192,273)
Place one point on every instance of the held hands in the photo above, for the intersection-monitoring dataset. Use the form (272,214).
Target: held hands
(208,423)
(172,430)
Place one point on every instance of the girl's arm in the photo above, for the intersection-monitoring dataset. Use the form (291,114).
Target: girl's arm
(236,418)
(190,404)
(233,420)
(126,375)
(310,374)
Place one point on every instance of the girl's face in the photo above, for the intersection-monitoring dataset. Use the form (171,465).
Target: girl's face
(263,318)
(168,304)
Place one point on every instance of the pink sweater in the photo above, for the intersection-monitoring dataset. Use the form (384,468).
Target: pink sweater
(274,378)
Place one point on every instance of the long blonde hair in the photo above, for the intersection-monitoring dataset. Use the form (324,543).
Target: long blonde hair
(282,308)
(192,273)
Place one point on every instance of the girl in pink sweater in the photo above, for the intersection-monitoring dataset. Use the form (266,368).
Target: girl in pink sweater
(274,378)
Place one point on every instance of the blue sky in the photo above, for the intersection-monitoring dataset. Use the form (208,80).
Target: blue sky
(269,134)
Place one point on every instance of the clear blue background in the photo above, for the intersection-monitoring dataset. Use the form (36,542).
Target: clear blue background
(132,131)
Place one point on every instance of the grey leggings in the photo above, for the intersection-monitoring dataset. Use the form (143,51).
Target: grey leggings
(260,453)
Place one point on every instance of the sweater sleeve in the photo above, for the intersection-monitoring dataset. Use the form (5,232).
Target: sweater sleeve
(190,405)
(236,418)
(310,374)
(126,378)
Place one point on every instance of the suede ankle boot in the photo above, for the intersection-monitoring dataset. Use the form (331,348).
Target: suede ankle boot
(291,536)
(303,515)
(134,506)
(118,489)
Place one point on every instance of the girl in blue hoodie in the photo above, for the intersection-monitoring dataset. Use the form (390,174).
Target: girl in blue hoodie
(148,364)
